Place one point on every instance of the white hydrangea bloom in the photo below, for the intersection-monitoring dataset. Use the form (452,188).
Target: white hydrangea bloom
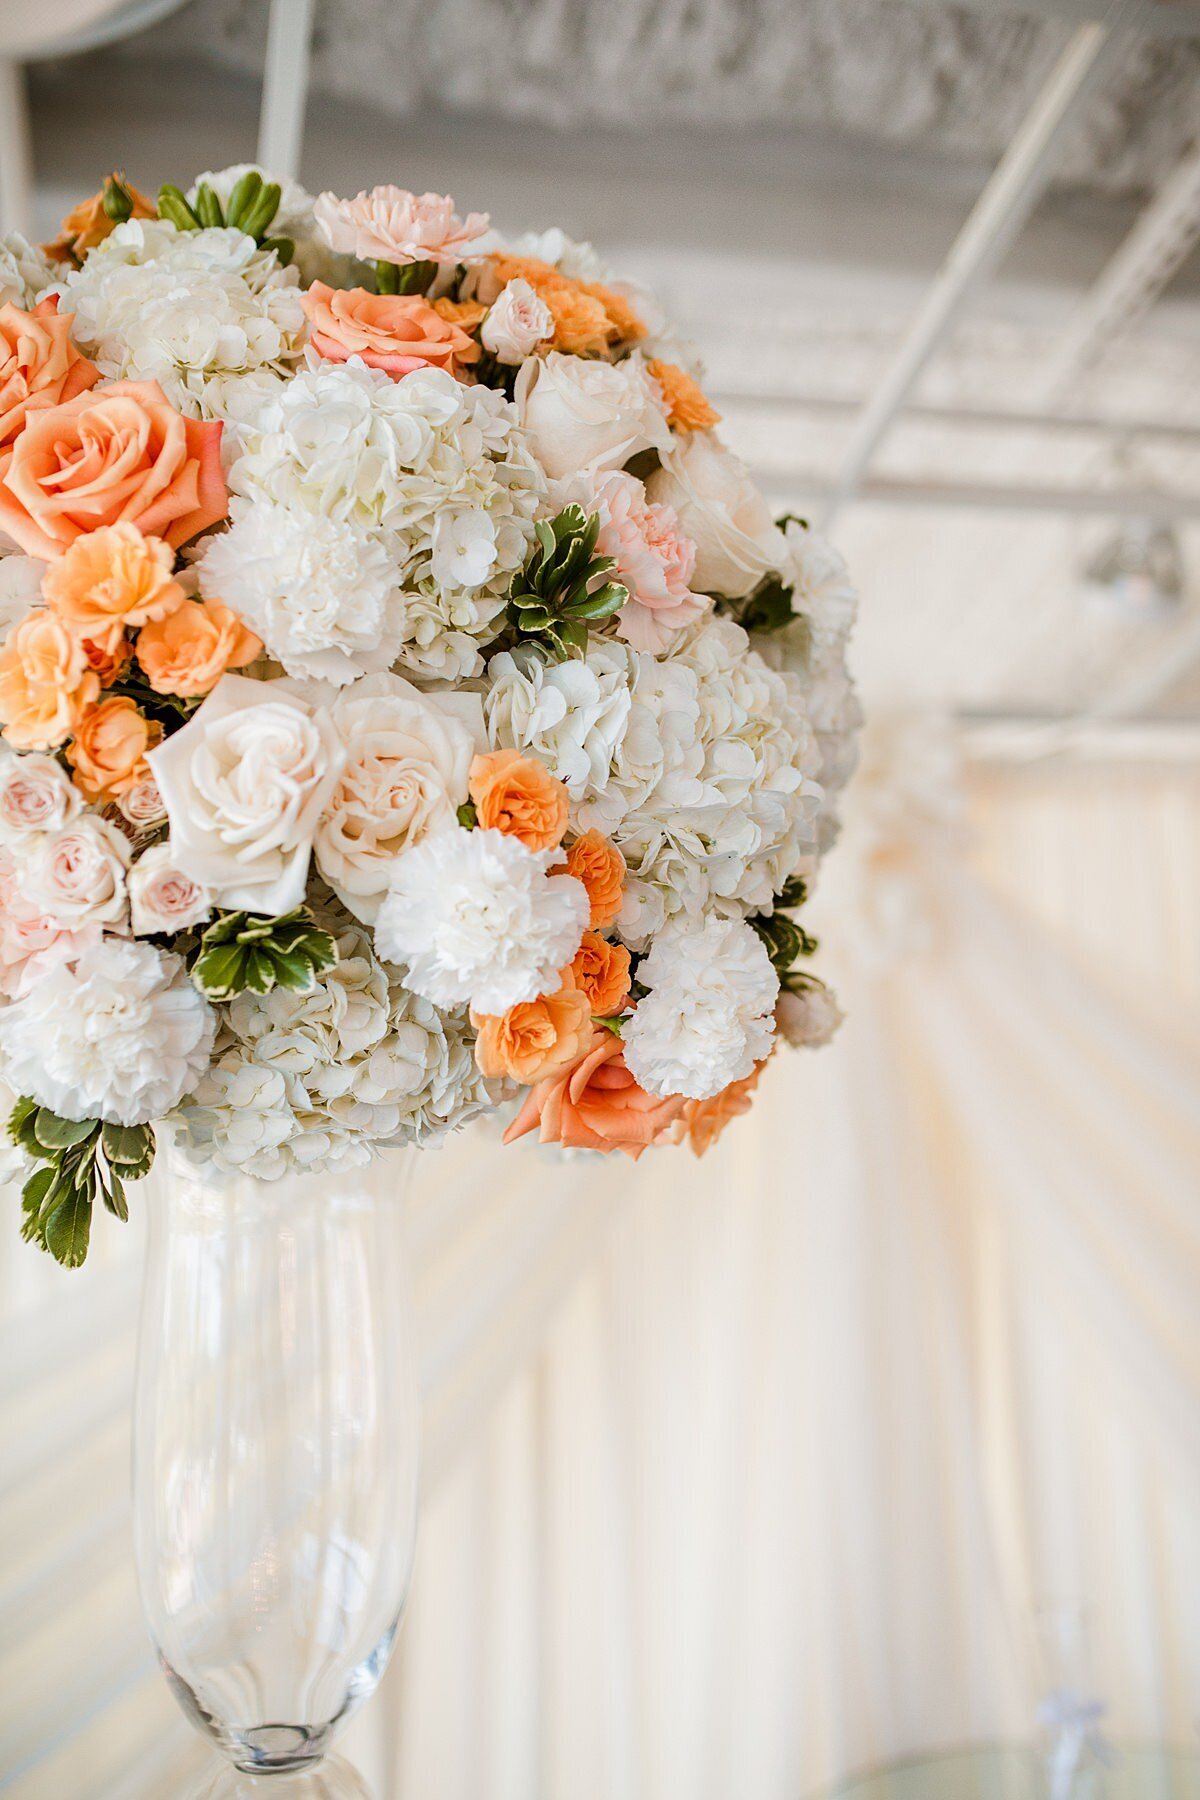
(709,1014)
(24,271)
(200,312)
(474,917)
(117,1033)
(438,473)
(571,715)
(321,1080)
(822,591)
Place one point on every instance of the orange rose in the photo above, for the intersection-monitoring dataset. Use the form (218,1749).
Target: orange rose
(515,795)
(701,1122)
(601,970)
(536,1039)
(111,579)
(39,365)
(111,741)
(601,868)
(684,403)
(45,683)
(596,1105)
(87,224)
(121,455)
(395,332)
(188,652)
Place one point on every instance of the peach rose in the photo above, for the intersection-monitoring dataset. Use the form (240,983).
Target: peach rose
(188,652)
(601,868)
(111,579)
(109,749)
(537,1039)
(701,1122)
(45,683)
(120,455)
(516,795)
(683,402)
(601,970)
(595,1105)
(88,224)
(39,365)
(394,332)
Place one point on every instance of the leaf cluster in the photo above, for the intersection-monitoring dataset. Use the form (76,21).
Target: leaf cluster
(563,587)
(784,940)
(79,1161)
(251,207)
(243,952)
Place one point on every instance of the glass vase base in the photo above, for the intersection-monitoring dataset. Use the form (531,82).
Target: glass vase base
(330,1779)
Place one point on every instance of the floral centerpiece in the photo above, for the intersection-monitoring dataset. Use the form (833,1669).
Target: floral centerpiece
(410,708)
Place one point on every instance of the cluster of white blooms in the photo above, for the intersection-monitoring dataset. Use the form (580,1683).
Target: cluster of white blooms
(294,219)
(426,482)
(325,1078)
(208,315)
(24,271)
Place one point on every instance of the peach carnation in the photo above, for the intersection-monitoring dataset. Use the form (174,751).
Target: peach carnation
(516,795)
(187,652)
(394,332)
(109,750)
(684,403)
(390,224)
(600,866)
(39,365)
(701,1122)
(45,683)
(601,971)
(121,455)
(111,579)
(537,1039)
(465,313)
(596,1104)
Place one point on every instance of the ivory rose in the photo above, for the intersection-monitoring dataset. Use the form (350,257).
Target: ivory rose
(718,506)
(654,559)
(112,579)
(109,748)
(45,683)
(35,795)
(245,783)
(595,1105)
(120,455)
(601,971)
(390,224)
(394,332)
(187,652)
(162,897)
(77,875)
(517,796)
(408,757)
(600,866)
(39,365)
(141,804)
(582,417)
(517,322)
(537,1038)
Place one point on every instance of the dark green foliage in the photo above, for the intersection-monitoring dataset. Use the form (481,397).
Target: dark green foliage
(245,953)
(562,589)
(80,1161)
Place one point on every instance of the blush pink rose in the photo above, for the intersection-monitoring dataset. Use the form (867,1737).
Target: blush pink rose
(29,940)
(118,455)
(394,332)
(389,224)
(39,365)
(654,559)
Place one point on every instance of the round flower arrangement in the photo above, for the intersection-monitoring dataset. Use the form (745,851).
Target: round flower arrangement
(409,706)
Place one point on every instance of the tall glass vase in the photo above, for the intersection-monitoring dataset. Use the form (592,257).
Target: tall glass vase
(275,1450)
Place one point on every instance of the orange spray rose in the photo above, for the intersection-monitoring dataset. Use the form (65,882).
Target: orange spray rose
(601,969)
(538,1038)
(516,795)
(595,1105)
(599,865)
(39,365)
(45,683)
(187,652)
(109,750)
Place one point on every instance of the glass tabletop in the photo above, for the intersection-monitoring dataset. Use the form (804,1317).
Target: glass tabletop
(1137,1772)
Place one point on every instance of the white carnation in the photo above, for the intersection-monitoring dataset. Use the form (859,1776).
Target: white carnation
(76,876)
(24,271)
(321,593)
(708,1017)
(474,917)
(197,311)
(119,1033)
(571,715)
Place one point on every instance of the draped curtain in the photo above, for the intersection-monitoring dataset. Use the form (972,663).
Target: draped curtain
(743,1473)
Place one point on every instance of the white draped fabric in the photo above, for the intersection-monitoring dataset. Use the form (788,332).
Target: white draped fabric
(746,1472)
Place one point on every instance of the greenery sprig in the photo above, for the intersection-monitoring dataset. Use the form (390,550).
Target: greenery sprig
(785,941)
(562,588)
(404,278)
(79,1161)
(768,607)
(245,953)
(251,207)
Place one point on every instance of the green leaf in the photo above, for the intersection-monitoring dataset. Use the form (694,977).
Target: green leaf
(37,1187)
(173,206)
(208,207)
(284,248)
(114,1197)
(246,190)
(612,1024)
(262,210)
(249,953)
(54,1133)
(466,815)
(793,893)
(768,608)
(126,1143)
(562,587)
(68,1228)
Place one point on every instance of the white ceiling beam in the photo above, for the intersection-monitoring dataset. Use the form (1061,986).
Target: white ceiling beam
(1012,191)
(1164,18)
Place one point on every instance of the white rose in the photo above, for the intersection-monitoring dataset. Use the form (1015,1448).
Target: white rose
(720,509)
(77,875)
(518,321)
(162,897)
(408,757)
(807,1016)
(245,783)
(580,415)
(35,795)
